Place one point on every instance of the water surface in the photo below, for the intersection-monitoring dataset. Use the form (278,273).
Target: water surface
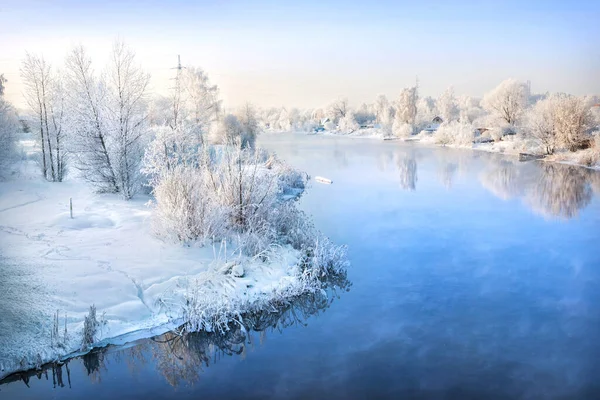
(473,276)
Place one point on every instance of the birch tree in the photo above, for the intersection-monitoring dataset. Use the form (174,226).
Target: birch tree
(88,113)
(127,117)
(45,97)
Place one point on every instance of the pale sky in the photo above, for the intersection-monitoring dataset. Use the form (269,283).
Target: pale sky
(305,54)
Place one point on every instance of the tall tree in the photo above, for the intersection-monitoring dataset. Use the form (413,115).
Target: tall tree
(87,106)
(45,98)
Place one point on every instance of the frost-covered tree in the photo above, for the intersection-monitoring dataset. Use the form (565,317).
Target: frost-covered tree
(541,123)
(88,115)
(573,119)
(348,123)
(127,117)
(426,110)
(284,122)
(560,120)
(248,119)
(8,135)
(382,109)
(507,101)
(228,130)
(45,97)
(447,105)
(201,98)
(338,109)
(469,109)
(405,112)
(406,106)
(2,84)
(364,114)
(109,118)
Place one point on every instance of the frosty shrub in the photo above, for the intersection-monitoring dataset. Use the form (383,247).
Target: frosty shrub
(228,193)
(184,213)
(401,129)
(455,133)
(442,136)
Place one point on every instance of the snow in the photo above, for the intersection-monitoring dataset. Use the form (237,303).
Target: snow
(105,255)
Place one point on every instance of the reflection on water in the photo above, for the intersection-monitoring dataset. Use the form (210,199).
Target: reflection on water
(181,359)
(551,190)
(407,169)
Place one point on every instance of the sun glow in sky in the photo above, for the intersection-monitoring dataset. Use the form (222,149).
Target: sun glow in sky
(306,54)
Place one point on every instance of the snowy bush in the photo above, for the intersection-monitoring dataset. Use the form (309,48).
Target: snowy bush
(401,129)
(183,211)
(229,193)
(455,133)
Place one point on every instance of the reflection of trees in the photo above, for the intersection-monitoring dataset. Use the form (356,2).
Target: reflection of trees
(502,180)
(407,169)
(447,173)
(55,368)
(340,157)
(554,190)
(181,358)
(560,191)
(595,181)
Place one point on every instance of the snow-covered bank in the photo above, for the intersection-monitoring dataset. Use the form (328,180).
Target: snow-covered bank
(510,145)
(107,256)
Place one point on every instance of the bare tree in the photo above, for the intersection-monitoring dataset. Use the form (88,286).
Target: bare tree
(87,96)
(45,97)
(127,117)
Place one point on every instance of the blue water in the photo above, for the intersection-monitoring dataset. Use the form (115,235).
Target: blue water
(473,276)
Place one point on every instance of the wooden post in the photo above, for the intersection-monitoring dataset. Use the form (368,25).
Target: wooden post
(71,206)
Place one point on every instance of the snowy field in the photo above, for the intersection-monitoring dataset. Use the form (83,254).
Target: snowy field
(106,256)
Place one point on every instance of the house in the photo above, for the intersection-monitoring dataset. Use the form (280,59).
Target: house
(435,123)
(480,131)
